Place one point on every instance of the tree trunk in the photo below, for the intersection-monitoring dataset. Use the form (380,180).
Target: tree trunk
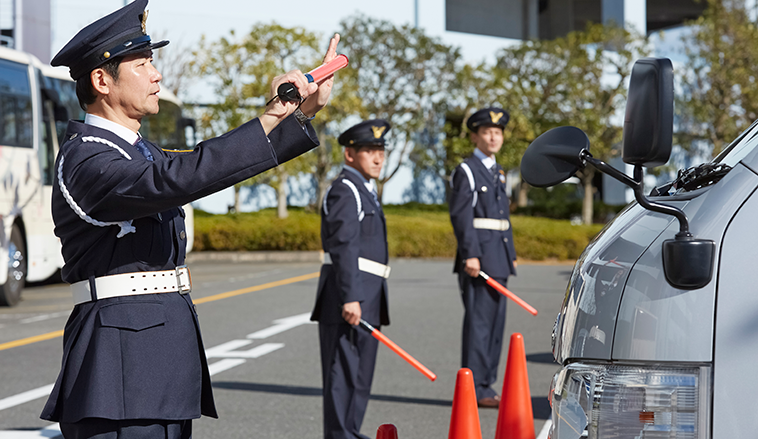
(588,197)
(379,189)
(281,196)
(522,199)
(237,198)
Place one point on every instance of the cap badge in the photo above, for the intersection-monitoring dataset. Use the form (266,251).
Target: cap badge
(495,116)
(377,131)
(144,22)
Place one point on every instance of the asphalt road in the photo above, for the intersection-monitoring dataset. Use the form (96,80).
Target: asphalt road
(264,355)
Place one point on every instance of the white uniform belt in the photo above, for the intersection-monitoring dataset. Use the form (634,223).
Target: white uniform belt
(131,284)
(492,224)
(366,265)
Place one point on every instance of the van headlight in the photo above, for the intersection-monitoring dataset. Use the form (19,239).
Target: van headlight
(603,401)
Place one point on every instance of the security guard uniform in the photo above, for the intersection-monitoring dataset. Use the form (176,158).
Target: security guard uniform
(354,239)
(481,222)
(134,359)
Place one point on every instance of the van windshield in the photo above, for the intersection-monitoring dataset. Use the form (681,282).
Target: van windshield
(741,147)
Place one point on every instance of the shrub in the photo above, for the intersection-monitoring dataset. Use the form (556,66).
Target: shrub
(412,232)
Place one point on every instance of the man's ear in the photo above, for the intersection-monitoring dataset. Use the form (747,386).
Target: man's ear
(101,81)
(349,155)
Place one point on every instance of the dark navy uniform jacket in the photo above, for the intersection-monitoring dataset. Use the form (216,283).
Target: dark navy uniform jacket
(142,357)
(352,226)
(480,195)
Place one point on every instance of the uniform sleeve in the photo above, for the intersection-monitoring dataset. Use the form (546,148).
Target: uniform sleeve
(110,187)
(343,231)
(462,215)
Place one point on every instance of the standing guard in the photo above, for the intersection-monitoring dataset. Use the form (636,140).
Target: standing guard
(133,363)
(481,222)
(353,282)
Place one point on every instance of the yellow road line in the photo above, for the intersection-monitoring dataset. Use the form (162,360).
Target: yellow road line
(278,283)
(54,334)
(30,340)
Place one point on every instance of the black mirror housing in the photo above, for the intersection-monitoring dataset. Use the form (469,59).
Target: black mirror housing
(649,120)
(554,156)
(688,262)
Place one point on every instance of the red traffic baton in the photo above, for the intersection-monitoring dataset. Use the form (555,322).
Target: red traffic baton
(398,350)
(288,92)
(505,292)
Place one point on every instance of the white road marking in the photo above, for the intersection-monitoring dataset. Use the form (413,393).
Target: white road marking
(220,350)
(545,429)
(51,431)
(282,325)
(42,317)
(21,398)
(223,365)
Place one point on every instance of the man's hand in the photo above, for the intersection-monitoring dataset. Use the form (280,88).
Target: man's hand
(472,267)
(318,100)
(351,312)
(277,110)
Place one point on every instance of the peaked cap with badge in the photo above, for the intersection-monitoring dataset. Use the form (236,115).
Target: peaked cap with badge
(120,33)
(370,132)
(492,116)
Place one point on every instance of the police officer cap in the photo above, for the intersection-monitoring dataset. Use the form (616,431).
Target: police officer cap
(118,34)
(492,116)
(370,132)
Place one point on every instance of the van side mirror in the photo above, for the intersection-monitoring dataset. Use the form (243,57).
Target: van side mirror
(554,156)
(649,120)
(688,262)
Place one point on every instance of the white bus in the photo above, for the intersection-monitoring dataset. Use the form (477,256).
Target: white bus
(36,102)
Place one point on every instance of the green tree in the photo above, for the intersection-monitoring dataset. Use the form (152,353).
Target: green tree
(578,80)
(720,90)
(400,74)
(241,71)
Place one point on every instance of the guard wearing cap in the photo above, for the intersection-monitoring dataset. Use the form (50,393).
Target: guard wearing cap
(133,360)
(353,282)
(481,222)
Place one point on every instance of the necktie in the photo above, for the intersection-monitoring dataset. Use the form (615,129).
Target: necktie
(143,149)
(376,197)
(493,172)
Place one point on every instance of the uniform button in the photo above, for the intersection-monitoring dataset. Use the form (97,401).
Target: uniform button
(182,234)
(505,239)
(501,212)
(498,197)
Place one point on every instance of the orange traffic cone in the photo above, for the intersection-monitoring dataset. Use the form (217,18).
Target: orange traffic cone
(386,431)
(464,422)
(515,419)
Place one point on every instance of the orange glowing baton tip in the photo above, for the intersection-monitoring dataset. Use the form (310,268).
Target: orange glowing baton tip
(505,292)
(398,350)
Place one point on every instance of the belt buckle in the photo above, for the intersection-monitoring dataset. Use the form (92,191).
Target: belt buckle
(183,287)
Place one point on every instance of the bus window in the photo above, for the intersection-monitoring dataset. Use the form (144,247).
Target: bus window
(66,89)
(15,105)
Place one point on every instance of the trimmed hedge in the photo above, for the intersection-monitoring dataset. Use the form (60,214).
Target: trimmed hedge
(413,231)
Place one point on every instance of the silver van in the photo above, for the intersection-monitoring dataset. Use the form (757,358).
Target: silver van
(657,335)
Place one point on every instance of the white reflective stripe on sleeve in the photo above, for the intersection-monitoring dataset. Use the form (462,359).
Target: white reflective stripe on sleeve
(357,197)
(125,226)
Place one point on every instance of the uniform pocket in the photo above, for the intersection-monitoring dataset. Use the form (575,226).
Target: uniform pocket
(134,316)
(367,224)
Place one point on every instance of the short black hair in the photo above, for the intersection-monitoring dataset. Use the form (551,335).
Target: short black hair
(84,90)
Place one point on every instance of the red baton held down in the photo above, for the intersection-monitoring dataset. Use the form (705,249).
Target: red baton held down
(398,350)
(505,292)
(324,70)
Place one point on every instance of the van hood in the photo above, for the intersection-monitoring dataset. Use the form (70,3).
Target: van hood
(618,304)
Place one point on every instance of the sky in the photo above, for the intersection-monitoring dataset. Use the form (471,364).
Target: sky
(184,21)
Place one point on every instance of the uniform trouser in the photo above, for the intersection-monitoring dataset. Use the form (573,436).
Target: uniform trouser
(483,326)
(348,356)
(98,428)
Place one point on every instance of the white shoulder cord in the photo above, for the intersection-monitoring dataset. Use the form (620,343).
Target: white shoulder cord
(470,176)
(126,226)
(357,197)
(326,194)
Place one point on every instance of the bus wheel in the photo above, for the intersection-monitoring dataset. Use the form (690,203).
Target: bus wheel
(10,293)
